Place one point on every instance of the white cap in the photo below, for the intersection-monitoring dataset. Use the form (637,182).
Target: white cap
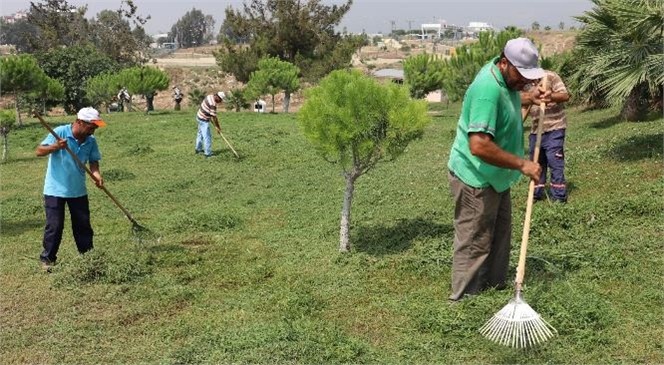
(90,115)
(522,53)
(221,95)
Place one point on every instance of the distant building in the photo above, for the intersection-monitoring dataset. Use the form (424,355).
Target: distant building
(476,27)
(9,19)
(430,31)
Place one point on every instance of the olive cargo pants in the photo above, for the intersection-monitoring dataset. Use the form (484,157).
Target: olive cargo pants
(482,234)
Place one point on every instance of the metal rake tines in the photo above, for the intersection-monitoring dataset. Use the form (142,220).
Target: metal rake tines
(517,325)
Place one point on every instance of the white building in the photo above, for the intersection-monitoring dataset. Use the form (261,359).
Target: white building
(15,17)
(432,30)
(477,27)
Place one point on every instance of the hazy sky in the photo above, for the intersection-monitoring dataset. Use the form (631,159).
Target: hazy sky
(372,16)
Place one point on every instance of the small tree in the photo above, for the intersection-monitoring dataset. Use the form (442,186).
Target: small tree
(6,123)
(101,89)
(423,74)
(237,100)
(355,122)
(272,76)
(18,76)
(49,93)
(146,81)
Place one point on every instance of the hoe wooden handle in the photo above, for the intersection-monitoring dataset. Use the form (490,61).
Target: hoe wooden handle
(521,268)
(229,144)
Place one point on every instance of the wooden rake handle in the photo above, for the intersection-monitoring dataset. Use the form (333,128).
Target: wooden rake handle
(521,268)
(229,144)
(84,167)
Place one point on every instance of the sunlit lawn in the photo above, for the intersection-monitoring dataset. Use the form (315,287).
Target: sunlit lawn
(247,269)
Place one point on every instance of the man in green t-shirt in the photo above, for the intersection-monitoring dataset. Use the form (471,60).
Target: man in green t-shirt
(485,160)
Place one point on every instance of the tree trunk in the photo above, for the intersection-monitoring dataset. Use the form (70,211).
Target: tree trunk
(344,234)
(19,122)
(636,105)
(287,101)
(149,100)
(5,146)
(272,103)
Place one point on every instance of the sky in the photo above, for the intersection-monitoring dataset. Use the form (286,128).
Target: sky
(370,16)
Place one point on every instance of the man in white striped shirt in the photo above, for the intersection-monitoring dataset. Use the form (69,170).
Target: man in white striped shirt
(206,113)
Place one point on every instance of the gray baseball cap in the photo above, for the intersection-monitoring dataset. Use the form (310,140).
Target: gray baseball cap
(522,53)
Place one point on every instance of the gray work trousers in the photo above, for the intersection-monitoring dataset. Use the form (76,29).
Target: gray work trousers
(482,233)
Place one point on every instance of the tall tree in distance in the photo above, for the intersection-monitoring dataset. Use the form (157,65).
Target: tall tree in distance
(19,34)
(119,34)
(58,24)
(113,35)
(301,32)
(73,66)
(193,29)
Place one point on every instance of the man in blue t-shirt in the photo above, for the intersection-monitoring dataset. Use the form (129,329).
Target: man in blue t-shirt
(485,161)
(64,183)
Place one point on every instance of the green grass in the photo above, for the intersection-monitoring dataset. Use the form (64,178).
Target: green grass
(247,268)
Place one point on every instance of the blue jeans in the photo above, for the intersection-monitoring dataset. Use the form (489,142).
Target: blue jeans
(79,210)
(204,137)
(552,156)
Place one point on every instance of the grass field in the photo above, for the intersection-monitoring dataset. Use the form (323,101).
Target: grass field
(247,268)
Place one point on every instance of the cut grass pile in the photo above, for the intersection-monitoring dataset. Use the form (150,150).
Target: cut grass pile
(247,268)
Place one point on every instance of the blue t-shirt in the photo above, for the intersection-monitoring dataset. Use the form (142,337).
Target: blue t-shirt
(490,107)
(64,178)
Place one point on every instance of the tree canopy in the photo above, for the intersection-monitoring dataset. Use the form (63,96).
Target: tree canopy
(296,31)
(144,80)
(355,122)
(56,24)
(21,75)
(423,74)
(460,70)
(193,29)
(273,76)
(73,66)
(620,55)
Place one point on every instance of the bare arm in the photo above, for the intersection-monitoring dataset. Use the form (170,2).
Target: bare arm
(215,121)
(43,150)
(483,147)
(94,168)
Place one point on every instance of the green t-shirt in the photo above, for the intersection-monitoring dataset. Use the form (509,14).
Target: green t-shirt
(489,106)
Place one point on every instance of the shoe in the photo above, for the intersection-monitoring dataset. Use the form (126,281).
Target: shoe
(47,266)
(197,152)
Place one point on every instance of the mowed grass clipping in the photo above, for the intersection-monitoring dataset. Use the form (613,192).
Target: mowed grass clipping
(247,268)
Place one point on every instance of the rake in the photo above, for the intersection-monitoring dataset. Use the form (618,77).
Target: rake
(517,324)
(229,144)
(140,233)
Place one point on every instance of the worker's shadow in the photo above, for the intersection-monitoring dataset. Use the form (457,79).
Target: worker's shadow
(384,240)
